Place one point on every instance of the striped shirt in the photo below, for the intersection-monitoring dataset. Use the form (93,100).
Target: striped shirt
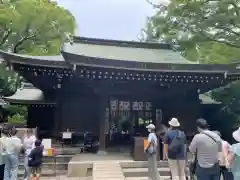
(207,149)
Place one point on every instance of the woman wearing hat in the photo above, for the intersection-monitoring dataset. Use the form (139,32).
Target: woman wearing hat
(234,156)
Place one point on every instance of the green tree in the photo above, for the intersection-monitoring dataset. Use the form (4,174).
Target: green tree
(9,81)
(203,30)
(16,119)
(34,27)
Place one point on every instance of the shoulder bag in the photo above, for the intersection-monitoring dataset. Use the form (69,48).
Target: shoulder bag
(193,164)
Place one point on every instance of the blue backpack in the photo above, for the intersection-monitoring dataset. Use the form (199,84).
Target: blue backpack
(176,145)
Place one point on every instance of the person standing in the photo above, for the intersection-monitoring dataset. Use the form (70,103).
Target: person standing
(4,136)
(206,145)
(2,163)
(28,145)
(35,160)
(175,150)
(224,171)
(13,147)
(151,151)
(233,160)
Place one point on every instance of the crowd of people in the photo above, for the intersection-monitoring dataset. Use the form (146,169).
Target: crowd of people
(11,147)
(213,157)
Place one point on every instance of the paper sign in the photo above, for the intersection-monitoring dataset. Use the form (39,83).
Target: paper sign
(67,135)
(47,143)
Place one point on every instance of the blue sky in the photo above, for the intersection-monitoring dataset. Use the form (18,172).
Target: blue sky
(109,19)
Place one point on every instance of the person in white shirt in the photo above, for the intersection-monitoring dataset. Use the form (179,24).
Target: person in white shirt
(151,151)
(28,145)
(3,140)
(12,146)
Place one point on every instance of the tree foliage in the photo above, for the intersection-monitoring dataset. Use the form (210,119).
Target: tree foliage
(35,27)
(16,119)
(17,109)
(206,30)
(9,81)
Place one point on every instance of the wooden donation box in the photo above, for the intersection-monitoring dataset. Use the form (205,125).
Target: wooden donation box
(138,149)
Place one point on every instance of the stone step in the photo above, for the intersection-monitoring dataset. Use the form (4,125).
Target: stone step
(142,172)
(146,178)
(58,158)
(68,150)
(106,165)
(141,164)
(48,162)
(51,166)
(45,173)
(112,167)
(107,171)
(110,178)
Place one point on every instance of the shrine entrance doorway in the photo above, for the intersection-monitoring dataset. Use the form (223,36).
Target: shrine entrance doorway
(128,119)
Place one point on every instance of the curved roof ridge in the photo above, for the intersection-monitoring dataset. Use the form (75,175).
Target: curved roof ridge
(121,43)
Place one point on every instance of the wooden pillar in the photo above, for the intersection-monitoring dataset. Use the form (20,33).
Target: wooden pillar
(103,106)
(157,112)
(58,109)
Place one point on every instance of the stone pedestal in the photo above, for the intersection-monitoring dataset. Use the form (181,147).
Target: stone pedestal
(102,152)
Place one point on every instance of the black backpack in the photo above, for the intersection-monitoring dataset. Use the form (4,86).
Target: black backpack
(176,145)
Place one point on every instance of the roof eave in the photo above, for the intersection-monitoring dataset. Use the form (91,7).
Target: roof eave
(31,60)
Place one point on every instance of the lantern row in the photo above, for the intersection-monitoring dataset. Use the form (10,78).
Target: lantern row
(233,77)
(161,76)
(144,75)
(104,77)
(42,105)
(39,73)
(93,77)
(49,71)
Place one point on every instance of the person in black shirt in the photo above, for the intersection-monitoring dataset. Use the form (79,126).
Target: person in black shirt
(35,160)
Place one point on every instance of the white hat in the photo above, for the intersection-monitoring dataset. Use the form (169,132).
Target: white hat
(150,126)
(236,135)
(174,122)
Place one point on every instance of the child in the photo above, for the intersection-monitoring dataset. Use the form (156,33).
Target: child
(35,160)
